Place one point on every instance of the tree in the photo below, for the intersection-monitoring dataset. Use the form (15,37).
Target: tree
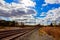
(51,24)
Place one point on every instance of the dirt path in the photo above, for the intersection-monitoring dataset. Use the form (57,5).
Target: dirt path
(36,36)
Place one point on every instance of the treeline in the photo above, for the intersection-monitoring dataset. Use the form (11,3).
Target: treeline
(4,23)
(16,24)
(53,25)
(8,23)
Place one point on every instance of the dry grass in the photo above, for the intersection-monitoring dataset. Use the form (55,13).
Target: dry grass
(52,31)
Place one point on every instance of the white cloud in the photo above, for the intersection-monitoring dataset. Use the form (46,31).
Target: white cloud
(52,15)
(44,4)
(26,19)
(28,3)
(42,14)
(52,1)
(16,9)
(55,13)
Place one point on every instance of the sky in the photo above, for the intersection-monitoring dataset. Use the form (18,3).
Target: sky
(46,11)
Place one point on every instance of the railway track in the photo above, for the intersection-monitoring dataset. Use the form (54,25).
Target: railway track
(13,34)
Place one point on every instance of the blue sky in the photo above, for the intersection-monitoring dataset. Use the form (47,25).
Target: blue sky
(47,8)
(10,1)
(44,8)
